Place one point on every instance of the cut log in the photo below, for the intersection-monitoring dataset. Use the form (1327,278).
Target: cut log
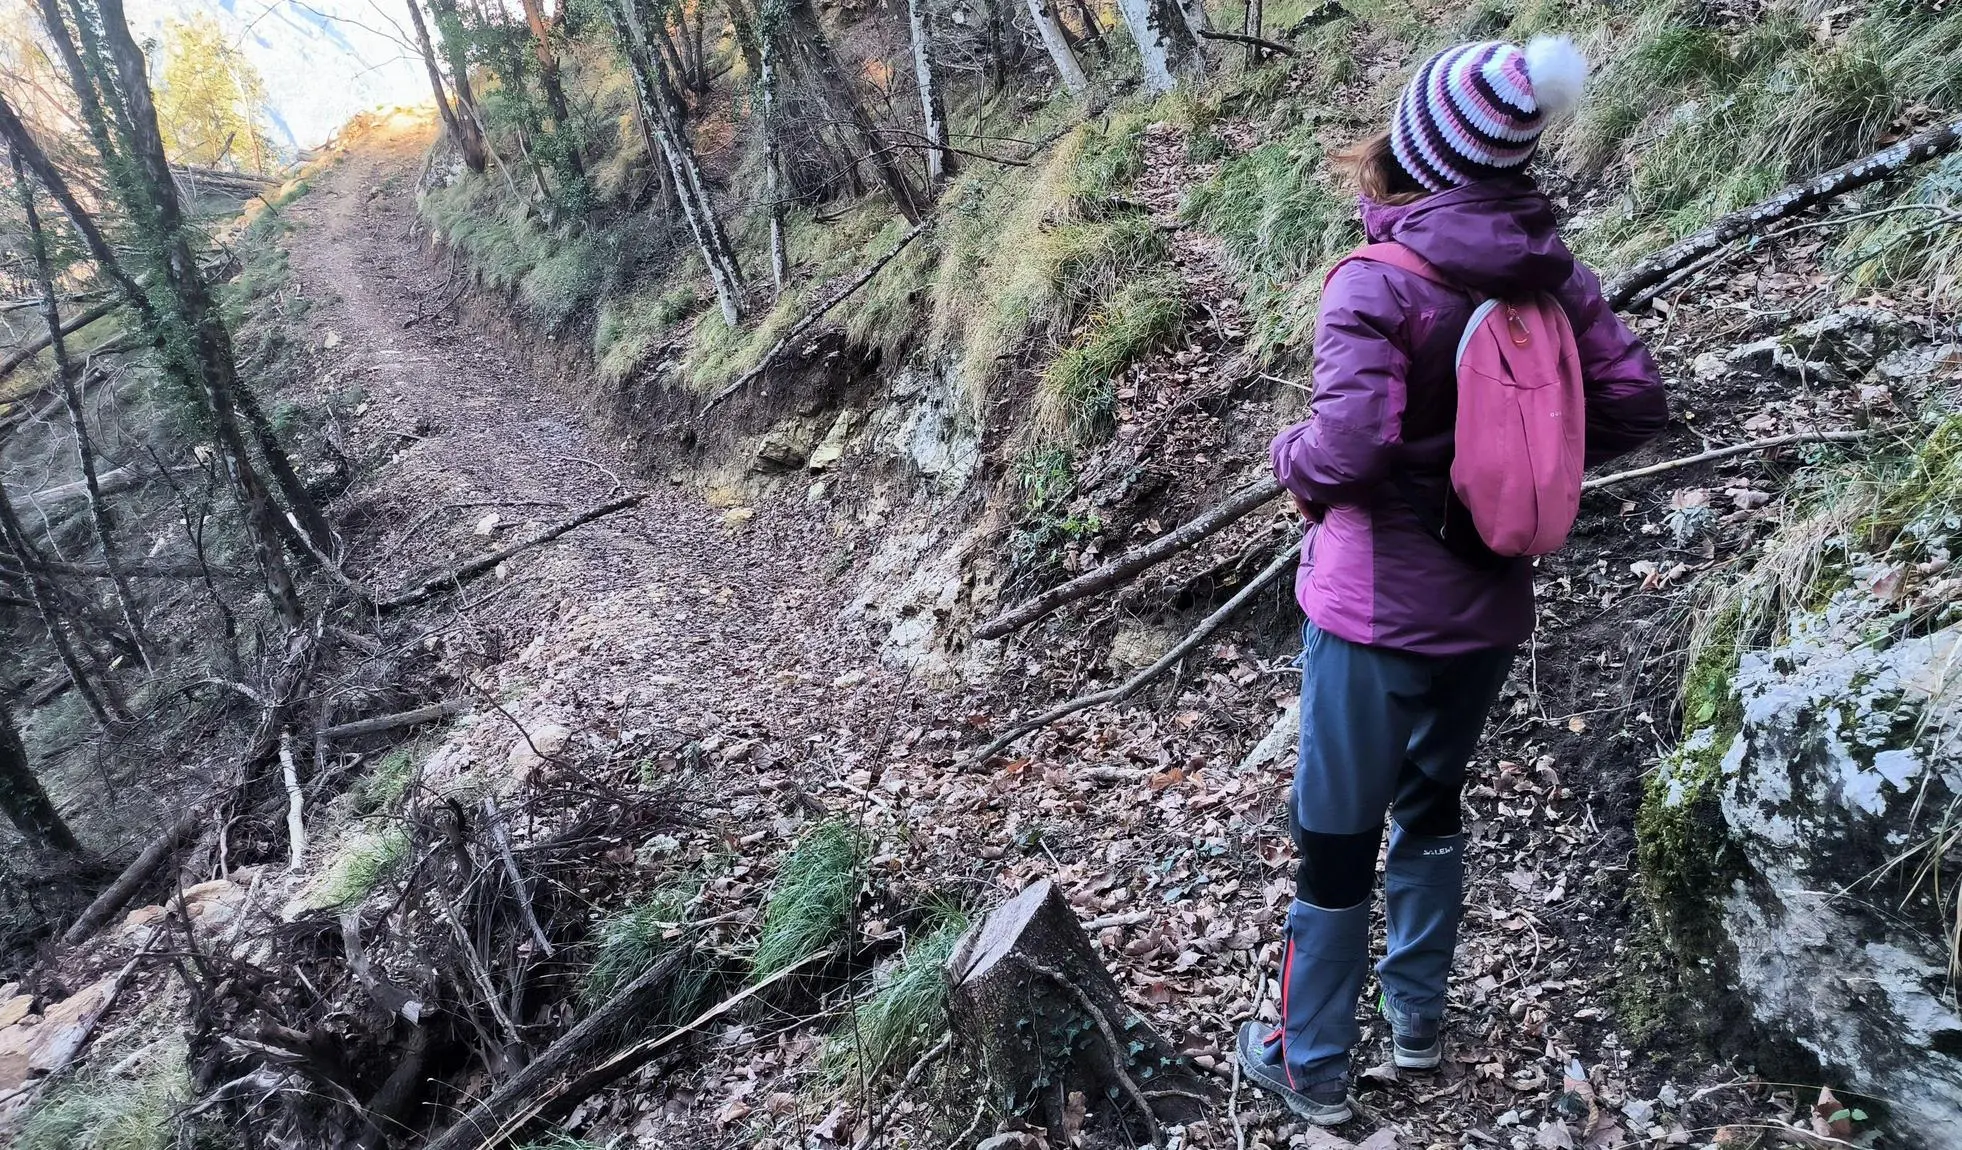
(1916,149)
(135,876)
(1036,1016)
(1200,527)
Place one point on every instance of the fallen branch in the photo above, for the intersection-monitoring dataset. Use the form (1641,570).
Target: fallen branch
(1723,453)
(878,1124)
(539,1087)
(75,323)
(483,563)
(798,329)
(160,850)
(518,888)
(380,723)
(296,803)
(1281,563)
(1256,41)
(1194,530)
(1793,199)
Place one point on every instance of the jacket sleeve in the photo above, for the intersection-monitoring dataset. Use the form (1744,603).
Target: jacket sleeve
(1626,403)
(1347,445)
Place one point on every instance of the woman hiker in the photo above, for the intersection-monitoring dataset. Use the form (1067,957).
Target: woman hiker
(1407,643)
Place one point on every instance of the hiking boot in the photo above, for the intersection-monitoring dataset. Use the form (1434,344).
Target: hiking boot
(1323,1104)
(1419,1048)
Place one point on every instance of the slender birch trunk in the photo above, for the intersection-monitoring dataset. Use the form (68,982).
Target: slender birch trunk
(683,170)
(67,379)
(772,160)
(1167,49)
(939,162)
(1060,52)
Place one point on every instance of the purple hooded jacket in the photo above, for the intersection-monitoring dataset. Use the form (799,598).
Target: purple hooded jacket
(1384,400)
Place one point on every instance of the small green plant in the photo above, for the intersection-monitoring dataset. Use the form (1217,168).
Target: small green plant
(811,902)
(1916,245)
(907,1008)
(388,782)
(633,941)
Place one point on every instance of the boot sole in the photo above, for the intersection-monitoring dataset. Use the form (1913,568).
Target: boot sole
(1428,1061)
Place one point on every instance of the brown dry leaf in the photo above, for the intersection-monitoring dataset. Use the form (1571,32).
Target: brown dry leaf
(735,1110)
(1384,1139)
(1577,724)
(1829,1116)
(1554,1135)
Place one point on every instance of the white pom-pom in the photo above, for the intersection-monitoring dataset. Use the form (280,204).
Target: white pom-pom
(1558,72)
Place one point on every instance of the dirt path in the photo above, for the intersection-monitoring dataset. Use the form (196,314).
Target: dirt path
(666,617)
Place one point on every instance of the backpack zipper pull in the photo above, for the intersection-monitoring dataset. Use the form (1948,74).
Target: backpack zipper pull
(1521,336)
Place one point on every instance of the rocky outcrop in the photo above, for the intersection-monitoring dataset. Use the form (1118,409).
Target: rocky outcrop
(1800,845)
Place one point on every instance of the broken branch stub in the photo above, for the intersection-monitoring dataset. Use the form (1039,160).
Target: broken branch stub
(1035,1016)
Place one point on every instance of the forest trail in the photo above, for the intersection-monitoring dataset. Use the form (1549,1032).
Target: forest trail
(668,615)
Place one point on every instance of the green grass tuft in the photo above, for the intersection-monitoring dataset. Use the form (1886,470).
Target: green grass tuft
(363,862)
(811,902)
(633,941)
(907,1009)
(1282,224)
(631,326)
(1080,384)
(126,1112)
(1917,246)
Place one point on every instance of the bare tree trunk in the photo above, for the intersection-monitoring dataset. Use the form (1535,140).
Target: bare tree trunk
(743,21)
(22,797)
(939,162)
(1060,52)
(548,78)
(1196,20)
(71,394)
(211,343)
(306,512)
(772,160)
(717,255)
(1167,49)
(806,36)
(1254,20)
(466,98)
(105,706)
(460,127)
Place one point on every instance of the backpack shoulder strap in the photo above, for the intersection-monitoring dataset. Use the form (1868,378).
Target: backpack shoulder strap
(1395,255)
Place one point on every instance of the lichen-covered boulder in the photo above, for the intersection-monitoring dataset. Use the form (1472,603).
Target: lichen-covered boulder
(1801,846)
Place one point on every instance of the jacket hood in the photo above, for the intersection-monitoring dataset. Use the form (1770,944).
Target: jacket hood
(1493,237)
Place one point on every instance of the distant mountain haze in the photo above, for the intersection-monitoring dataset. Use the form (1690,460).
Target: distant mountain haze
(322,61)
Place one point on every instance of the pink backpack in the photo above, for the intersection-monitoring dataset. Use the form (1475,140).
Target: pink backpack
(1522,419)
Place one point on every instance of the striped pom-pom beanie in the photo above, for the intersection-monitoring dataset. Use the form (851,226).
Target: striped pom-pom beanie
(1476,111)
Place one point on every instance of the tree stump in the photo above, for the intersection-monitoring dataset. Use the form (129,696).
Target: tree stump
(1037,1017)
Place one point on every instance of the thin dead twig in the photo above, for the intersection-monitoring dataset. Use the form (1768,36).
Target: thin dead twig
(1723,453)
(913,1076)
(1117,1049)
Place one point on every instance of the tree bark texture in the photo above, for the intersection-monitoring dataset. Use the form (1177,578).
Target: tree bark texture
(933,111)
(773,190)
(69,382)
(1036,1016)
(1167,48)
(1060,53)
(689,186)
(22,797)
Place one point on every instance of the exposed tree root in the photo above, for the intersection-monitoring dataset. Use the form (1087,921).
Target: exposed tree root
(380,723)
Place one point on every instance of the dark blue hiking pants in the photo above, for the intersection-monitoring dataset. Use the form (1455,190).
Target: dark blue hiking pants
(1382,731)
